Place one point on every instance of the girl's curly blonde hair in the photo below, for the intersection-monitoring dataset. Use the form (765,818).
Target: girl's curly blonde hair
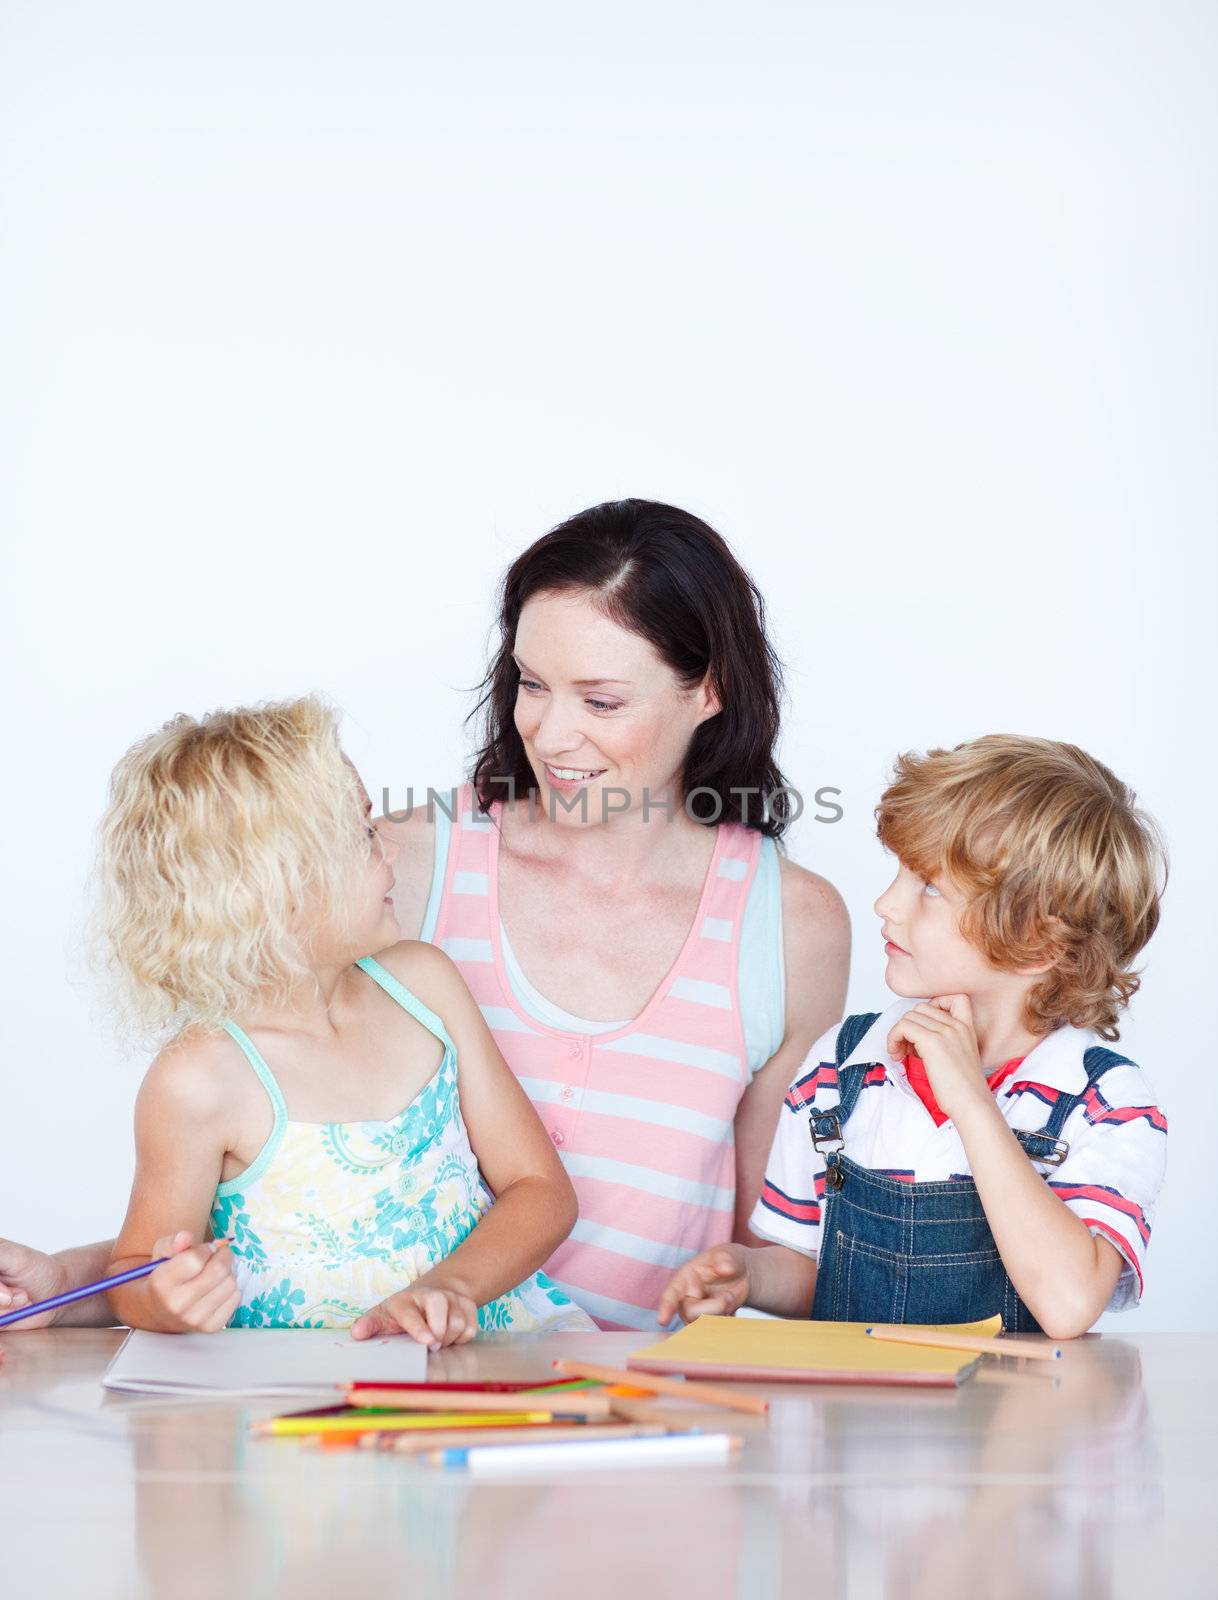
(1054,858)
(222,832)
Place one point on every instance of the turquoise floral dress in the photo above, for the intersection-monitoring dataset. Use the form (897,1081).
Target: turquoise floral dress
(333,1217)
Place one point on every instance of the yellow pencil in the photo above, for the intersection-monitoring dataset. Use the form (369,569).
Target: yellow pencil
(386,1422)
(1033,1349)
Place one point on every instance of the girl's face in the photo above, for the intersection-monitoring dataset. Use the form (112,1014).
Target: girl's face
(598,709)
(371,923)
(927,954)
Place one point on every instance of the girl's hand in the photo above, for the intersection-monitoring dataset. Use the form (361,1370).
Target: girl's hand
(196,1291)
(27,1276)
(941,1033)
(713,1284)
(434,1317)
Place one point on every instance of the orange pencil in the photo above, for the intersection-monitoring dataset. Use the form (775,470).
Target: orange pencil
(1033,1349)
(730,1399)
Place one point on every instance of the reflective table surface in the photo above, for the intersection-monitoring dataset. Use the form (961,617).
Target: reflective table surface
(1097,1477)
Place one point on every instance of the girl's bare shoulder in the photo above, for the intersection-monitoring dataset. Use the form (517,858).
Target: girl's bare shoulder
(201,1073)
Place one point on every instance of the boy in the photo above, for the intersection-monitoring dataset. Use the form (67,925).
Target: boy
(981,1150)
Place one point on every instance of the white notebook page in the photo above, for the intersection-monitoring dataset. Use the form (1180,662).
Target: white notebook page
(261,1361)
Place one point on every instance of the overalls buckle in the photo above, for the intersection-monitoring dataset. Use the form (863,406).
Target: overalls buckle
(1056,1155)
(826,1130)
(825,1126)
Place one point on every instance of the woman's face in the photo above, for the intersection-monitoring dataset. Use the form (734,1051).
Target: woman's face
(604,719)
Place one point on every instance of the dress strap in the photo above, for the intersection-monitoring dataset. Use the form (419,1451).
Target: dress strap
(265,1076)
(408,1001)
(275,1095)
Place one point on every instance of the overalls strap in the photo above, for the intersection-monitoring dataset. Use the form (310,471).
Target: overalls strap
(826,1126)
(1047,1145)
(851,1034)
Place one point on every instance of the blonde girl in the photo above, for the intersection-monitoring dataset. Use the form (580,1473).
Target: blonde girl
(330,1106)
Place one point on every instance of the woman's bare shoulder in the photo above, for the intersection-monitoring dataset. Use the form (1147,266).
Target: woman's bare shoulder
(815,921)
(413,833)
(423,968)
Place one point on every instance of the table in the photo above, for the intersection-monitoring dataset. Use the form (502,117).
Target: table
(1100,1483)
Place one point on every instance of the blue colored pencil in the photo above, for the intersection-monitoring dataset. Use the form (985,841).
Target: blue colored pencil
(83,1293)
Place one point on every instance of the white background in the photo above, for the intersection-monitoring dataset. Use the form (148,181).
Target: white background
(312,316)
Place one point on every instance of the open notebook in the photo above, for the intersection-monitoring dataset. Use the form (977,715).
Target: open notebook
(261,1361)
(779,1351)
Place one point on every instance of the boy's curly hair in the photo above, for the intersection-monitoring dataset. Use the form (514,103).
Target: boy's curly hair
(223,833)
(1054,858)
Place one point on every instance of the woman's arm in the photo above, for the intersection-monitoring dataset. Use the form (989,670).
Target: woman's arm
(816,939)
(181,1134)
(535,1207)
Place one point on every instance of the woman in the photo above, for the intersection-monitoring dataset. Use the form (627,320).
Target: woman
(610,887)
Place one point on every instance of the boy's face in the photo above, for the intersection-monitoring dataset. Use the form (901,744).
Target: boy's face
(927,954)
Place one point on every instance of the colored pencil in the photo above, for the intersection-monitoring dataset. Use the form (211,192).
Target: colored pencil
(427,1445)
(383,1422)
(572,1403)
(1033,1349)
(542,1455)
(370,1393)
(730,1399)
(672,1417)
(83,1293)
(87,1289)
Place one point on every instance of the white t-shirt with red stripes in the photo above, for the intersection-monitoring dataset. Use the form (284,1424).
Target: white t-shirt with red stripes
(1110,1177)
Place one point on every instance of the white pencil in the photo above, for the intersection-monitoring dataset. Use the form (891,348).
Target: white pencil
(664,1451)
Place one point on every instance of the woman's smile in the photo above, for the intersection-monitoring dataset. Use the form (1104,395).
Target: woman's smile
(572,778)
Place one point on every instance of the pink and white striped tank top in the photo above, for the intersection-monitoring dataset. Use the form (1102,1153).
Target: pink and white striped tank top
(641,1116)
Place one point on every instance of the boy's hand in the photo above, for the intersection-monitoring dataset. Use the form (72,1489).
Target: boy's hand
(941,1033)
(27,1276)
(196,1291)
(432,1316)
(713,1284)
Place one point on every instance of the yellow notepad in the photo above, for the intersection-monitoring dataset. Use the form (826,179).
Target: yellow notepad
(807,1352)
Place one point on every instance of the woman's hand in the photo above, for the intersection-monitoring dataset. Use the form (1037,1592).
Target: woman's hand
(27,1276)
(941,1033)
(434,1317)
(195,1291)
(713,1284)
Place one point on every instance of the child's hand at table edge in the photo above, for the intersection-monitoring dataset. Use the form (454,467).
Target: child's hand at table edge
(27,1276)
(713,1284)
(195,1291)
(432,1316)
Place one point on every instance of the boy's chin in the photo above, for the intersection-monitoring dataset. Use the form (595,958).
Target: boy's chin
(906,988)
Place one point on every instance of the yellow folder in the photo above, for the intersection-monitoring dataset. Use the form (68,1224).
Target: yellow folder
(784,1351)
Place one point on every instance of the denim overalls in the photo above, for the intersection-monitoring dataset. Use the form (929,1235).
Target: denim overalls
(916,1252)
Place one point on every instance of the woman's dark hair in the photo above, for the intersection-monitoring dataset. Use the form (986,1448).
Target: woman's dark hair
(664,574)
